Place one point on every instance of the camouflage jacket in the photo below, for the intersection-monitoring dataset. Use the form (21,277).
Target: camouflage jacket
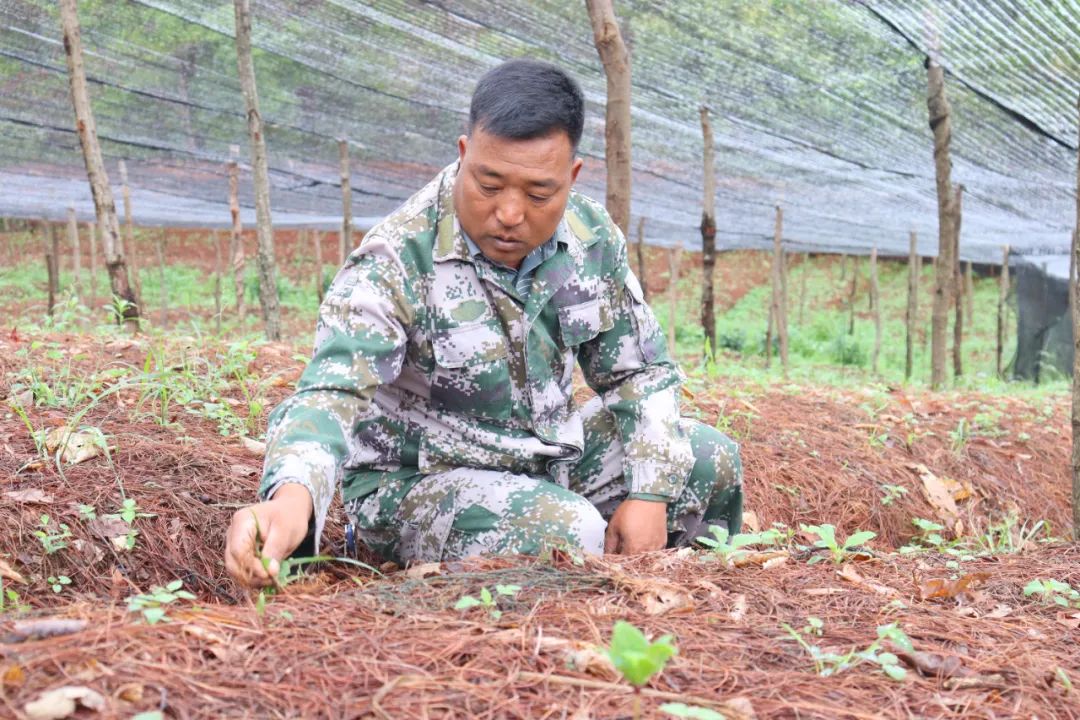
(428,358)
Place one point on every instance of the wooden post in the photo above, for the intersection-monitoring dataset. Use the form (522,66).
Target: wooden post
(616,61)
(159,247)
(938,106)
(104,204)
(769,324)
(1003,298)
(708,237)
(641,258)
(127,240)
(674,260)
(92,231)
(218,270)
(958,288)
(969,294)
(345,244)
(778,310)
(49,243)
(316,238)
(805,267)
(851,295)
(236,237)
(268,292)
(76,254)
(875,305)
(911,318)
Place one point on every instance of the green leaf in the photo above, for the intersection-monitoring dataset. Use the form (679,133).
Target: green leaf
(895,672)
(1035,586)
(507,589)
(154,614)
(174,585)
(825,533)
(682,710)
(635,657)
(149,715)
(466,602)
(858,539)
(485,597)
(260,603)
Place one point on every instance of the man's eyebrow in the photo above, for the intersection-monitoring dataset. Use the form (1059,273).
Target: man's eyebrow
(547,184)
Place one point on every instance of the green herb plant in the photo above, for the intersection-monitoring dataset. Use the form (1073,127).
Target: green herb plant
(1055,591)
(59,582)
(153,605)
(892,493)
(830,663)
(838,552)
(52,541)
(637,659)
(694,712)
(488,599)
(730,549)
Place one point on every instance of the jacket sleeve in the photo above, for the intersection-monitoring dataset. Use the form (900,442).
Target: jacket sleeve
(629,366)
(360,343)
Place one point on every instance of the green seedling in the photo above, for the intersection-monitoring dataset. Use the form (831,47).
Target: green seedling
(838,552)
(153,604)
(829,663)
(10,601)
(58,583)
(87,513)
(129,510)
(487,599)
(51,541)
(892,493)
(637,659)
(1055,591)
(730,549)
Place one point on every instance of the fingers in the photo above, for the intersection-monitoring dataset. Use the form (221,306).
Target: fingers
(611,540)
(241,560)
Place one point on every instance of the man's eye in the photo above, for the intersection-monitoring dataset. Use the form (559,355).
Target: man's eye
(489,189)
(539,198)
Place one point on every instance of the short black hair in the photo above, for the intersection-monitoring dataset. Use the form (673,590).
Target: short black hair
(526,99)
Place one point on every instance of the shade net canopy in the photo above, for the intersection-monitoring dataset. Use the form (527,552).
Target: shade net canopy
(817,105)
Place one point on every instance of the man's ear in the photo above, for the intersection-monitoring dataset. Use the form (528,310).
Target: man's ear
(462,143)
(575,169)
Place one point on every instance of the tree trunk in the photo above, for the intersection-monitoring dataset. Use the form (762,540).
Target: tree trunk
(1003,297)
(159,246)
(958,288)
(616,60)
(236,241)
(779,309)
(911,318)
(127,240)
(268,292)
(875,305)
(218,270)
(316,237)
(92,230)
(674,260)
(641,258)
(851,295)
(938,106)
(76,254)
(969,294)
(769,324)
(48,239)
(345,244)
(708,237)
(104,204)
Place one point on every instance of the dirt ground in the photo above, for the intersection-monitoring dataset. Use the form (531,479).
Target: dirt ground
(347,642)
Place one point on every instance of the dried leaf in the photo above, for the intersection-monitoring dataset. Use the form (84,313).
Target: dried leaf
(584,657)
(12,676)
(132,692)
(47,627)
(1069,620)
(665,598)
(77,446)
(9,573)
(750,522)
(253,446)
(849,573)
(419,572)
(243,470)
(938,494)
(816,592)
(935,665)
(767,558)
(945,588)
(30,495)
(60,703)
(738,608)
(976,681)
(999,612)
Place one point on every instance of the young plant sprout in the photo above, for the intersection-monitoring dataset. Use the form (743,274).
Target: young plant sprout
(637,659)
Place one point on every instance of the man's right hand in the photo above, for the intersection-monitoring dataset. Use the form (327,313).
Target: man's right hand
(282,525)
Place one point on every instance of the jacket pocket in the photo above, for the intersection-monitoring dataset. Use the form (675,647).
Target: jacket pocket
(580,323)
(472,373)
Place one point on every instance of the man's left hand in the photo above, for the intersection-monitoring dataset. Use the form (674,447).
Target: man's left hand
(637,526)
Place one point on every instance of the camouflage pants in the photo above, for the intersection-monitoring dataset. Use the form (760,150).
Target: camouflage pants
(469,511)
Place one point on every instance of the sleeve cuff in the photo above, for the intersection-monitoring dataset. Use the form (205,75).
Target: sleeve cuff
(650,497)
(319,510)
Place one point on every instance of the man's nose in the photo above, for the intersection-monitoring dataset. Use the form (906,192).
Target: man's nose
(510,211)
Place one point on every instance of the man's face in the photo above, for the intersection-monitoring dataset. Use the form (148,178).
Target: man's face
(510,195)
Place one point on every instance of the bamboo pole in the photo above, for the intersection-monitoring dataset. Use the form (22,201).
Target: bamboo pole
(911,318)
(852,293)
(49,243)
(76,254)
(674,260)
(958,287)
(617,151)
(236,237)
(127,240)
(708,237)
(1003,297)
(104,203)
(269,302)
(345,236)
(641,258)
(316,238)
(778,311)
(875,306)
(938,107)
